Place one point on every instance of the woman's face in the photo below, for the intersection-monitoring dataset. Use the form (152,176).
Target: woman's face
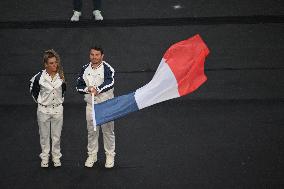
(51,65)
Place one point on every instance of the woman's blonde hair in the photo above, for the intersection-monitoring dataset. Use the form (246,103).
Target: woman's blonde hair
(50,54)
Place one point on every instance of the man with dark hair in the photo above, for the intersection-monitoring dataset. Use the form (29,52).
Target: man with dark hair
(77,7)
(97,79)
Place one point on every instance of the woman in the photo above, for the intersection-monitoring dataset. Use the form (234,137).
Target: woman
(47,89)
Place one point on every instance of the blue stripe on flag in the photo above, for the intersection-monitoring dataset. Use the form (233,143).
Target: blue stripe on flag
(115,108)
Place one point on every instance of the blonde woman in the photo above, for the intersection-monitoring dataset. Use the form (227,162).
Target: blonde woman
(47,89)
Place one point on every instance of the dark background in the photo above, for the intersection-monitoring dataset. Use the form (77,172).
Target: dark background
(227,134)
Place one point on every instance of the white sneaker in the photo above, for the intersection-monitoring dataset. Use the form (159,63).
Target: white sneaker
(44,163)
(76,16)
(56,162)
(91,160)
(109,161)
(97,15)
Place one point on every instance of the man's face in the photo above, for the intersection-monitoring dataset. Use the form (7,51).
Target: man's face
(96,57)
(51,65)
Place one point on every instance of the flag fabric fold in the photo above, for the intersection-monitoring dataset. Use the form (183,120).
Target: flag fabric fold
(180,72)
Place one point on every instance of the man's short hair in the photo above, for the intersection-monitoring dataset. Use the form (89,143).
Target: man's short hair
(97,48)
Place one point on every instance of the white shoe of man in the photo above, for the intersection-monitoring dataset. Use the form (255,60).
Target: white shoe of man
(91,160)
(44,163)
(76,16)
(97,14)
(109,161)
(56,162)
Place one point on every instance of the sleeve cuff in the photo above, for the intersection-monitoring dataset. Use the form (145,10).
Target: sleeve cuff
(98,90)
(86,90)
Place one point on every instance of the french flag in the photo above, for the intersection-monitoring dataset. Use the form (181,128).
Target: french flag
(180,72)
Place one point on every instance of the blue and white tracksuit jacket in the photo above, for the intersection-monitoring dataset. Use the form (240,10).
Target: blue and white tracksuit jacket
(47,91)
(102,78)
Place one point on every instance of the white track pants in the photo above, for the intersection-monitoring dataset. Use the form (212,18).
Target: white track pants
(93,136)
(50,124)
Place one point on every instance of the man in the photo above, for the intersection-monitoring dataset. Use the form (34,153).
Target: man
(97,78)
(77,7)
(47,89)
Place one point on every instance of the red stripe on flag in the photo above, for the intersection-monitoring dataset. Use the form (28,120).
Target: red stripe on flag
(186,60)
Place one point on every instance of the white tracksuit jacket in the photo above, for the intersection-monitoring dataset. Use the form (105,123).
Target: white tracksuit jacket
(48,93)
(102,78)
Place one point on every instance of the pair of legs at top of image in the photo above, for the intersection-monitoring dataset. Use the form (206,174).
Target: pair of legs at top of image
(77,5)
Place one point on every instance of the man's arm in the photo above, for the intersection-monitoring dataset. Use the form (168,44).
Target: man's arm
(108,79)
(81,86)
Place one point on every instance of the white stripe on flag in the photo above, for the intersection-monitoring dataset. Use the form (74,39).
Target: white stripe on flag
(162,87)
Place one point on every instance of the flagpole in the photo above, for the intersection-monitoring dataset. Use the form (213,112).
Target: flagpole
(93,109)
